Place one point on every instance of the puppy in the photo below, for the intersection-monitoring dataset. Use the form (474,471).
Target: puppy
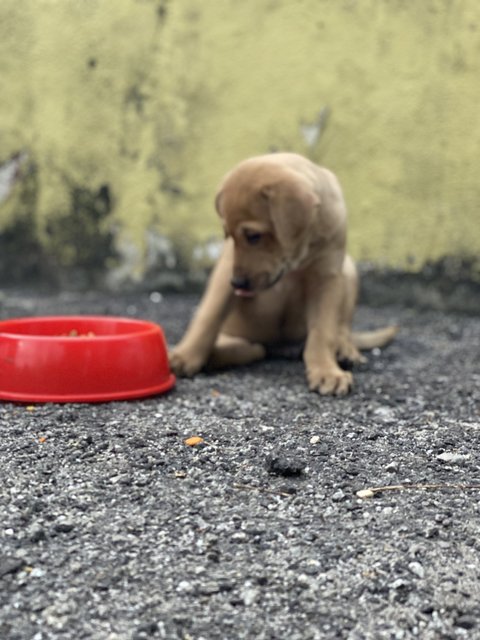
(283,276)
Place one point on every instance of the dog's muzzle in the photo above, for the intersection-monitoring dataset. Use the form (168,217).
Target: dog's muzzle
(243,286)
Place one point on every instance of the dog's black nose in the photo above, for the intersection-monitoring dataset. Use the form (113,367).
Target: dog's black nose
(241,282)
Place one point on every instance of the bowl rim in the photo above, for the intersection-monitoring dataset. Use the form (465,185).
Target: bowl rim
(144,328)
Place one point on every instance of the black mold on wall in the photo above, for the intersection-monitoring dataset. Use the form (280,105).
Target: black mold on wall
(76,250)
(81,242)
(22,259)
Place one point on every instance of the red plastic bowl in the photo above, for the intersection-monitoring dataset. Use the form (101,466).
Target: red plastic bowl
(82,359)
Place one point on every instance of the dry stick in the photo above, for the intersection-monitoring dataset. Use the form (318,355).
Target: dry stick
(401,487)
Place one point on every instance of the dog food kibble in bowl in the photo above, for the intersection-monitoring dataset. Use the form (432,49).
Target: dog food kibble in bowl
(82,359)
(74,334)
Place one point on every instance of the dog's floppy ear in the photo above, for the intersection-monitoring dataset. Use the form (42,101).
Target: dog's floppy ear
(218,198)
(292,206)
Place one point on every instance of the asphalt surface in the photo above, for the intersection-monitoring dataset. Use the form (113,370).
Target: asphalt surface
(112,528)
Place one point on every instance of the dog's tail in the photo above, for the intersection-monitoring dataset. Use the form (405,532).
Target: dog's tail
(365,340)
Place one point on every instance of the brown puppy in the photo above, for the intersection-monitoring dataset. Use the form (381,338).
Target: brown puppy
(283,275)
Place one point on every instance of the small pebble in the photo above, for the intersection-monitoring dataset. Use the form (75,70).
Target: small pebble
(392,466)
(156,297)
(417,569)
(249,595)
(64,526)
(466,622)
(239,537)
(209,588)
(450,456)
(10,565)
(365,493)
(184,586)
(399,583)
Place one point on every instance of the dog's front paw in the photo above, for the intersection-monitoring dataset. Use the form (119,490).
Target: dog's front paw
(185,362)
(330,382)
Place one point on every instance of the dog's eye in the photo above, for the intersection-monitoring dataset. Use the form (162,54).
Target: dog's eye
(253,237)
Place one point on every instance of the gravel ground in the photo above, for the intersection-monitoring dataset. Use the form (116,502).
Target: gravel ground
(112,528)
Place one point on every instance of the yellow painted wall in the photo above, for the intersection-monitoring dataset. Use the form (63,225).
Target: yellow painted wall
(158,98)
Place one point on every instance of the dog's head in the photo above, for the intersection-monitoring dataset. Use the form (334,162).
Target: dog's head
(268,210)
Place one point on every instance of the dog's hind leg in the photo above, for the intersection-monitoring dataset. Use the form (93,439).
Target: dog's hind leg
(347,350)
(231,351)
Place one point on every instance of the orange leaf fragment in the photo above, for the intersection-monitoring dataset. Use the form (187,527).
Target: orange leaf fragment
(193,441)
(42,439)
